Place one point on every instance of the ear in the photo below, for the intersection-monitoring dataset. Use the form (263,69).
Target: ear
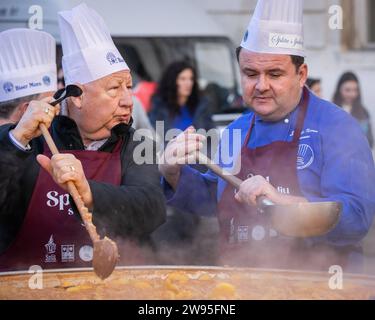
(77,101)
(22,108)
(303,72)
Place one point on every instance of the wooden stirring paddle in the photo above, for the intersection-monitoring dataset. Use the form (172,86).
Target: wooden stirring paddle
(105,250)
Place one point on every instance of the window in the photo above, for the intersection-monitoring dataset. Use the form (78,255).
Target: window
(359,28)
(214,61)
(371,22)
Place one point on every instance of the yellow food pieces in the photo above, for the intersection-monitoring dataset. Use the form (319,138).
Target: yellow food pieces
(223,291)
(175,281)
(178,276)
(142,285)
(184,295)
(168,295)
(67,284)
(205,277)
(169,285)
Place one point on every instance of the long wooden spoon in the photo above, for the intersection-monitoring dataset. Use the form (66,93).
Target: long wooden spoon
(105,254)
(300,220)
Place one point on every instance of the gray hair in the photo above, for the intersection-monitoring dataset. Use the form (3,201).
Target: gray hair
(8,107)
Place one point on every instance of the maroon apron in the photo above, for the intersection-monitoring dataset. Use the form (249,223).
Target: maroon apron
(51,235)
(247,238)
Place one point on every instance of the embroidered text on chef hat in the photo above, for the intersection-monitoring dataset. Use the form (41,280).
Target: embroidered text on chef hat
(27,63)
(276,27)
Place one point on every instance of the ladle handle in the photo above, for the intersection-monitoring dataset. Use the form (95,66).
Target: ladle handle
(65,94)
(83,211)
(262,201)
(222,173)
(57,101)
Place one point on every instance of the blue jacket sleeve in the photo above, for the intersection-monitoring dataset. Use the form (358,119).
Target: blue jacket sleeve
(199,193)
(195,193)
(347,176)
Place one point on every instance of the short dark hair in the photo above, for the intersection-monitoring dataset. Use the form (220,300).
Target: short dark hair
(8,107)
(296,60)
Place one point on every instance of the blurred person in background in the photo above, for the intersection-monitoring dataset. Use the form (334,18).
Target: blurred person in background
(348,96)
(27,70)
(144,90)
(143,85)
(315,85)
(142,121)
(178,102)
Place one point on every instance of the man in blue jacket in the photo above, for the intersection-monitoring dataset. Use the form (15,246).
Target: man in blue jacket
(295,147)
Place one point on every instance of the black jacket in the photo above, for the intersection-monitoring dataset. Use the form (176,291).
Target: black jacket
(132,210)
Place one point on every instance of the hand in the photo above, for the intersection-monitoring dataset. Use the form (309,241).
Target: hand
(181,150)
(37,112)
(255,187)
(64,168)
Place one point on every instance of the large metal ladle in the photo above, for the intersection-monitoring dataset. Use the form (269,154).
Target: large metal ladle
(106,253)
(301,220)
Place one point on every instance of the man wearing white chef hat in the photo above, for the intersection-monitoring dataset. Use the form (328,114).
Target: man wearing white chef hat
(292,151)
(89,51)
(27,70)
(276,28)
(95,132)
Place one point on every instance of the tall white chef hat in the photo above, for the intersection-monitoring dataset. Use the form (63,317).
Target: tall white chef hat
(27,63)
(276,27)
(88,49)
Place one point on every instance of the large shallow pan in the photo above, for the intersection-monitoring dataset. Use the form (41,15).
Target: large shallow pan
(180,282)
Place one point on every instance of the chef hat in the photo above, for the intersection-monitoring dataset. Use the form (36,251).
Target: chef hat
(27,63)
(276,27)
(89,51)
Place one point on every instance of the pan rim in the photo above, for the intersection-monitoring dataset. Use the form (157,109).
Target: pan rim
(281,272)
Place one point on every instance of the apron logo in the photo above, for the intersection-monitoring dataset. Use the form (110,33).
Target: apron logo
(86,253)
(283,190)
(258,233)
(305,156)
(243,233)
(67,253)
(59,200)
(51,250)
